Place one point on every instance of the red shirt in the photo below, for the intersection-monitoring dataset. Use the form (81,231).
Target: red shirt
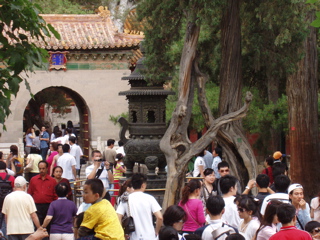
(42,191)
(290,233)
(11,178)
(268,171)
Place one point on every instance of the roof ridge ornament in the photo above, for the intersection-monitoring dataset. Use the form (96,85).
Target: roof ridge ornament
(103,12)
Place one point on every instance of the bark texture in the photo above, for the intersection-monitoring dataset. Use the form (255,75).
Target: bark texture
(302,91)
(273,96)
(175,143)
(236,148)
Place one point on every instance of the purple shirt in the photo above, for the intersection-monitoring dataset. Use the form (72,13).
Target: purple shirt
(63,211)
(194,208)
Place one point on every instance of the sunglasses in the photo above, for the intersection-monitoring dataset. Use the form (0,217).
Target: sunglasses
(316,230)
(224,170)
(241,210)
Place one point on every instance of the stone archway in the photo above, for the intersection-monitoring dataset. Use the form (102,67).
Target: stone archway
(83,110)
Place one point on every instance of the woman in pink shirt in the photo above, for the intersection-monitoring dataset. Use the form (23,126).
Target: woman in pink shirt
(53,152)
(193,206)
(268,222)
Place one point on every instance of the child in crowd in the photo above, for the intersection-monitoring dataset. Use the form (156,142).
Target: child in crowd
(101,216)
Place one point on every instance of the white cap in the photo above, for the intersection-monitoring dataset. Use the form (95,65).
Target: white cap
(20,182)
(294,186)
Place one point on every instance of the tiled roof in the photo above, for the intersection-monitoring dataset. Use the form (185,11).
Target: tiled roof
(90,31)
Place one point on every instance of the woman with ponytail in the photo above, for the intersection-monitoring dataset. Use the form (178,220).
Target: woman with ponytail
(268,225)
(193,206)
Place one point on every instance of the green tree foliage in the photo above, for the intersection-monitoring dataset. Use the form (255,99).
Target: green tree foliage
(61,7)
(316,22)
(19,19)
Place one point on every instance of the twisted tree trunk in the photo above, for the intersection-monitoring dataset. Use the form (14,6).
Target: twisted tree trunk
(231,137)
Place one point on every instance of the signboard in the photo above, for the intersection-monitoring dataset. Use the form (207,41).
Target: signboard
(58,61)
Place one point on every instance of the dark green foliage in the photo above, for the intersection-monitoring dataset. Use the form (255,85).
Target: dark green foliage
(61,7)
(17,54)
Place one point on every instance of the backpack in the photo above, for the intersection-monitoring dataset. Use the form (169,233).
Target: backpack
(223,232)
(5,189)
(19,164)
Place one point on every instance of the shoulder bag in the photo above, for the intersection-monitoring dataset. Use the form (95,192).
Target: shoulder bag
(127,222)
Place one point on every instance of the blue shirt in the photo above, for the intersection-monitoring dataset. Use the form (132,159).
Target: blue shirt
(43,143)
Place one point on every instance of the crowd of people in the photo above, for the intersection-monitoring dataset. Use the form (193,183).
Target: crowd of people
(214,207)
(212,204)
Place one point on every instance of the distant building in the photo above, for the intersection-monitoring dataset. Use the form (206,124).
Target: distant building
(88,62)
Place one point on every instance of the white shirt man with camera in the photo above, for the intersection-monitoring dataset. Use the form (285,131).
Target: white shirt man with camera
(100,169)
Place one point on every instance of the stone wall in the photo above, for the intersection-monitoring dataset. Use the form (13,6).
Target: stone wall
(98,88)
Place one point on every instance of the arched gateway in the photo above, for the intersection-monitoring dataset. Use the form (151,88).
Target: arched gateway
(88,63)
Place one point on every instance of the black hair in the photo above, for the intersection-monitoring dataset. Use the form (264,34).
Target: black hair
(65,148)
(55,130)
(278,169)
(223,164)
(189,188)
(110,142)
(270,212)
(248,203)
(96,186)
(55,169)
(286,213)
(62,189)
(263,180)
(37,132)
(45,162)
(138,179)
(235,236)
(173,214)
(168,233)
(311,225)
(34,150)
(192,237)
(72,139)
(281,183)
(95,151)
(3,165)
(14,149)
(202,153)
(120,143)
(208,171)
(227,182)
(1,154)
(215,205)
(58,134)
(119,156)
(269,161)
(218,151)
(69,124)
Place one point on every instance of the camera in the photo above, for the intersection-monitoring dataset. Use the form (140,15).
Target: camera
(99,160)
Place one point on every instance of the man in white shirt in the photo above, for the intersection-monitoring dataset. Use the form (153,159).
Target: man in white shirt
(68,164)
(217,152)
(121,148)
(281,184)
(76,152)
(100,169)
(228,186)
(216,227)
(20,211)
(199,165)
(141,206)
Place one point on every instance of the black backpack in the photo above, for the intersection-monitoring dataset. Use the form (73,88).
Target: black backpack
(5,189)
